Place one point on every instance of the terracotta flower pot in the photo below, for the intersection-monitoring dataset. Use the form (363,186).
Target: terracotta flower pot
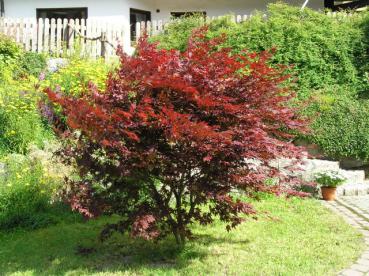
(329,193)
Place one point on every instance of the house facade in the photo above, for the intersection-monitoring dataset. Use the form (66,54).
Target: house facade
(155,9)
(128,12)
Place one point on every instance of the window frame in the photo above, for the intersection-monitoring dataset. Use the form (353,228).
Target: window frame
(80,10)
(133,30)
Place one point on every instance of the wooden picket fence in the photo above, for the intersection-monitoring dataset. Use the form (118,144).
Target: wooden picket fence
(59,37)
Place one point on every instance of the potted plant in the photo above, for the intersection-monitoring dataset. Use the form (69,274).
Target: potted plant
(329,181)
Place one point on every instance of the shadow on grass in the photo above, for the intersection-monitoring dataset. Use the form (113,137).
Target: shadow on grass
(206,239)
(74,248)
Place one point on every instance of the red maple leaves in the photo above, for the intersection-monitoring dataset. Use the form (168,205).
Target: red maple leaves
(178,130)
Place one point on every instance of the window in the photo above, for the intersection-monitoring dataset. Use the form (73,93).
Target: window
(345,4)
(65,13)
(137,16)
(187,14)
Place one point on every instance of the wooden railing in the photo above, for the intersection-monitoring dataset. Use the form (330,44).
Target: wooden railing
(58,37)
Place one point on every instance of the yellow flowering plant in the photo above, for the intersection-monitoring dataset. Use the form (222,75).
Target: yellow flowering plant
(74,78)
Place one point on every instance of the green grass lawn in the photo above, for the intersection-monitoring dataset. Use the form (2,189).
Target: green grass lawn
(295,237)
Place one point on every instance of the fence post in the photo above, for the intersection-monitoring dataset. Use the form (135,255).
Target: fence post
(138,31)
(103,44)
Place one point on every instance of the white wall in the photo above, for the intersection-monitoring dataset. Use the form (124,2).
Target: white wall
(118,10)
(220,7)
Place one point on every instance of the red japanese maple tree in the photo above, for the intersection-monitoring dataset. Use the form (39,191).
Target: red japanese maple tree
(175,135)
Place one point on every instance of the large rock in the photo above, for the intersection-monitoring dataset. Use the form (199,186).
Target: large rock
(355,179)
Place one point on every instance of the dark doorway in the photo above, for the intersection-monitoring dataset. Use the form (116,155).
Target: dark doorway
(2,8)
(63,13)
(137,16)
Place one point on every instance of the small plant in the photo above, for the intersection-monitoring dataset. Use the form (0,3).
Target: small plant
(330,179)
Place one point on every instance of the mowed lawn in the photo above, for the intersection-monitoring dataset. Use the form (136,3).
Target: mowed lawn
(291,237)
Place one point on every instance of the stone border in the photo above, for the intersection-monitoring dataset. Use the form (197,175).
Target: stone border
(359,221)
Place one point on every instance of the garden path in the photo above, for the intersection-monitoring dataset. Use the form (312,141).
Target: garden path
(355,210)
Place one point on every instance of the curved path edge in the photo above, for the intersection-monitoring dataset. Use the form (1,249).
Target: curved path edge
(359,219)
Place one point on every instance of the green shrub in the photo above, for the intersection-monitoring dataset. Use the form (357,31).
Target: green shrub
(20,122)
(19,62)
(31,64)
(321,50)
(9,53)
(342,129)
(9,50)
(177,33)
(28,192)
(24,195)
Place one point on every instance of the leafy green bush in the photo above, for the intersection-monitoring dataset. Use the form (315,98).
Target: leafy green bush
(24,194)
(9,53)
(32,64)
(9,50)
(342,129)
(20,63)
(177,33)
(20,122)
(321,50)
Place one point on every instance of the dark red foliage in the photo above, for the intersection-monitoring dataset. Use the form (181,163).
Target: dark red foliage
(173,138)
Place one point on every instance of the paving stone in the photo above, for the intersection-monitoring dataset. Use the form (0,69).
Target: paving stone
(351,272)
(363,262)
(361,268)
(365,255)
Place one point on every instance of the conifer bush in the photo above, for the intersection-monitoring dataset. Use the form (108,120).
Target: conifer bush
(174,135)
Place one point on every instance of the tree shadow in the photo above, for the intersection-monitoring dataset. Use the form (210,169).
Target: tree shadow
(63,249)
(206,239)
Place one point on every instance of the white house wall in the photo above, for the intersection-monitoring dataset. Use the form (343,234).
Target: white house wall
(220,7)
(120,8)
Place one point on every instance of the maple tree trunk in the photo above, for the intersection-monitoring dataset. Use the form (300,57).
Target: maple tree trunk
(180,235)
(179,231)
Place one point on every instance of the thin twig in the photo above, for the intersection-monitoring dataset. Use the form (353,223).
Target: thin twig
(92,39)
